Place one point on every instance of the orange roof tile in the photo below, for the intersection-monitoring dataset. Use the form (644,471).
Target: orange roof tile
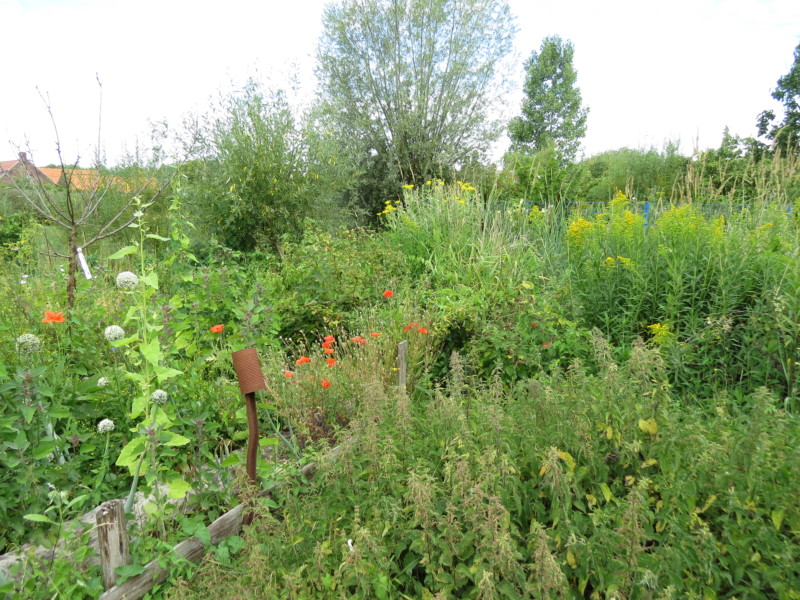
(52,174)
(7,165)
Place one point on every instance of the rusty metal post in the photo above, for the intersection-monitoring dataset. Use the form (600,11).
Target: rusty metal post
(251,379)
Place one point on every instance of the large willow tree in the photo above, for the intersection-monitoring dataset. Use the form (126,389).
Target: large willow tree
(409,85)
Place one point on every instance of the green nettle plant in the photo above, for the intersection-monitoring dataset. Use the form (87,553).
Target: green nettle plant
(147,368)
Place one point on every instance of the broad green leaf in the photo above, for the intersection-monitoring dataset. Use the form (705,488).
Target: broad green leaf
(606,492)
(123,252)
(267,441)
(649,426)
(38,518)
(152,351)
(231,460)
(28,412)
(127,571)
(151,279)
(777,518)
(137,377)
(138,406)
(202,533)
(567,458)
(125,341)
(160,238)
(164,373)
(44,449)
(176,440)
(178,488)
(131,452)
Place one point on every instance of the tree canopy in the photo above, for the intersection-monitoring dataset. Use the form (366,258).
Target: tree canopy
(786,133)
(552,113)
(408,85)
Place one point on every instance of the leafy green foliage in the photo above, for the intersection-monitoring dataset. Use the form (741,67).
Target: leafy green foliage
(407,87)
(259,173)
(565,485)
(785,134)
(552,112)
(643,174)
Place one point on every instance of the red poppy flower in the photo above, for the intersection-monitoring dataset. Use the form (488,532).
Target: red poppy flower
(53,317)
(302,360)
(288,374)
(329,351)
(388,294)
(534,324)
(407,328)
(375,334)
(546,344)
(217,328)
(331,362)
(422,330)
(358,340)
(326,384)
(329,339)
(326,344)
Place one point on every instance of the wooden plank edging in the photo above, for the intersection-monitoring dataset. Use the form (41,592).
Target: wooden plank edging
(191,548)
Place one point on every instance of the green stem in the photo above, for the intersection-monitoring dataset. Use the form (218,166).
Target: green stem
(135,483)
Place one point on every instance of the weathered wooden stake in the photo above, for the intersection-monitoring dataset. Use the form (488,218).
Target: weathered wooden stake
(112,538)
(251,379)
(402,364)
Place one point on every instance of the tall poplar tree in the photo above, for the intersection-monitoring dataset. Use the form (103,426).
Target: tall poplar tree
(552,113)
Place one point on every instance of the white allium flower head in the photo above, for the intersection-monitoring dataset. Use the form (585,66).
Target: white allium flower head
(114,333)
(105,426)
(102,382)
(127,280)
(159,396)
(28,343)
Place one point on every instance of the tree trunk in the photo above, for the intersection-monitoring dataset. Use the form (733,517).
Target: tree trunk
(73,268)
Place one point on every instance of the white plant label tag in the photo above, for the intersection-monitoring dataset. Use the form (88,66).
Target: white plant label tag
(82,262)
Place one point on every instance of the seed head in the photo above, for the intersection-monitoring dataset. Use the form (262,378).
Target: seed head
(127,280)
(28,343)
(114,333)
(105,426)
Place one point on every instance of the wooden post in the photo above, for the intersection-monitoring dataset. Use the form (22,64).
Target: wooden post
(402,364)
(112,539)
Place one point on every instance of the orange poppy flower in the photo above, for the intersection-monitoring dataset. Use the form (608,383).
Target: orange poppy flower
(534,324)
(329,338)
(422,330)
(331,362)
(388,294)
(302,360)
(288,374)
(358,340)
(407,328)
(546,344)
(53,317)
(217,328)
(326,384)
(375,334)
(326,344)
(329,351)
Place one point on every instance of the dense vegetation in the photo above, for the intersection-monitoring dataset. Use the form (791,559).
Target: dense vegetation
(602,392)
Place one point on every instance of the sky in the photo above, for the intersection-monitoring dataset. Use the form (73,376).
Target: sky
(649,71)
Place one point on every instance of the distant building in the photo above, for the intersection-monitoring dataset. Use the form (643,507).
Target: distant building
(79,179)
(11,170)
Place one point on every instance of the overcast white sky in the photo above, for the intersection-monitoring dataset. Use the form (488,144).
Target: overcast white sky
(648,71)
